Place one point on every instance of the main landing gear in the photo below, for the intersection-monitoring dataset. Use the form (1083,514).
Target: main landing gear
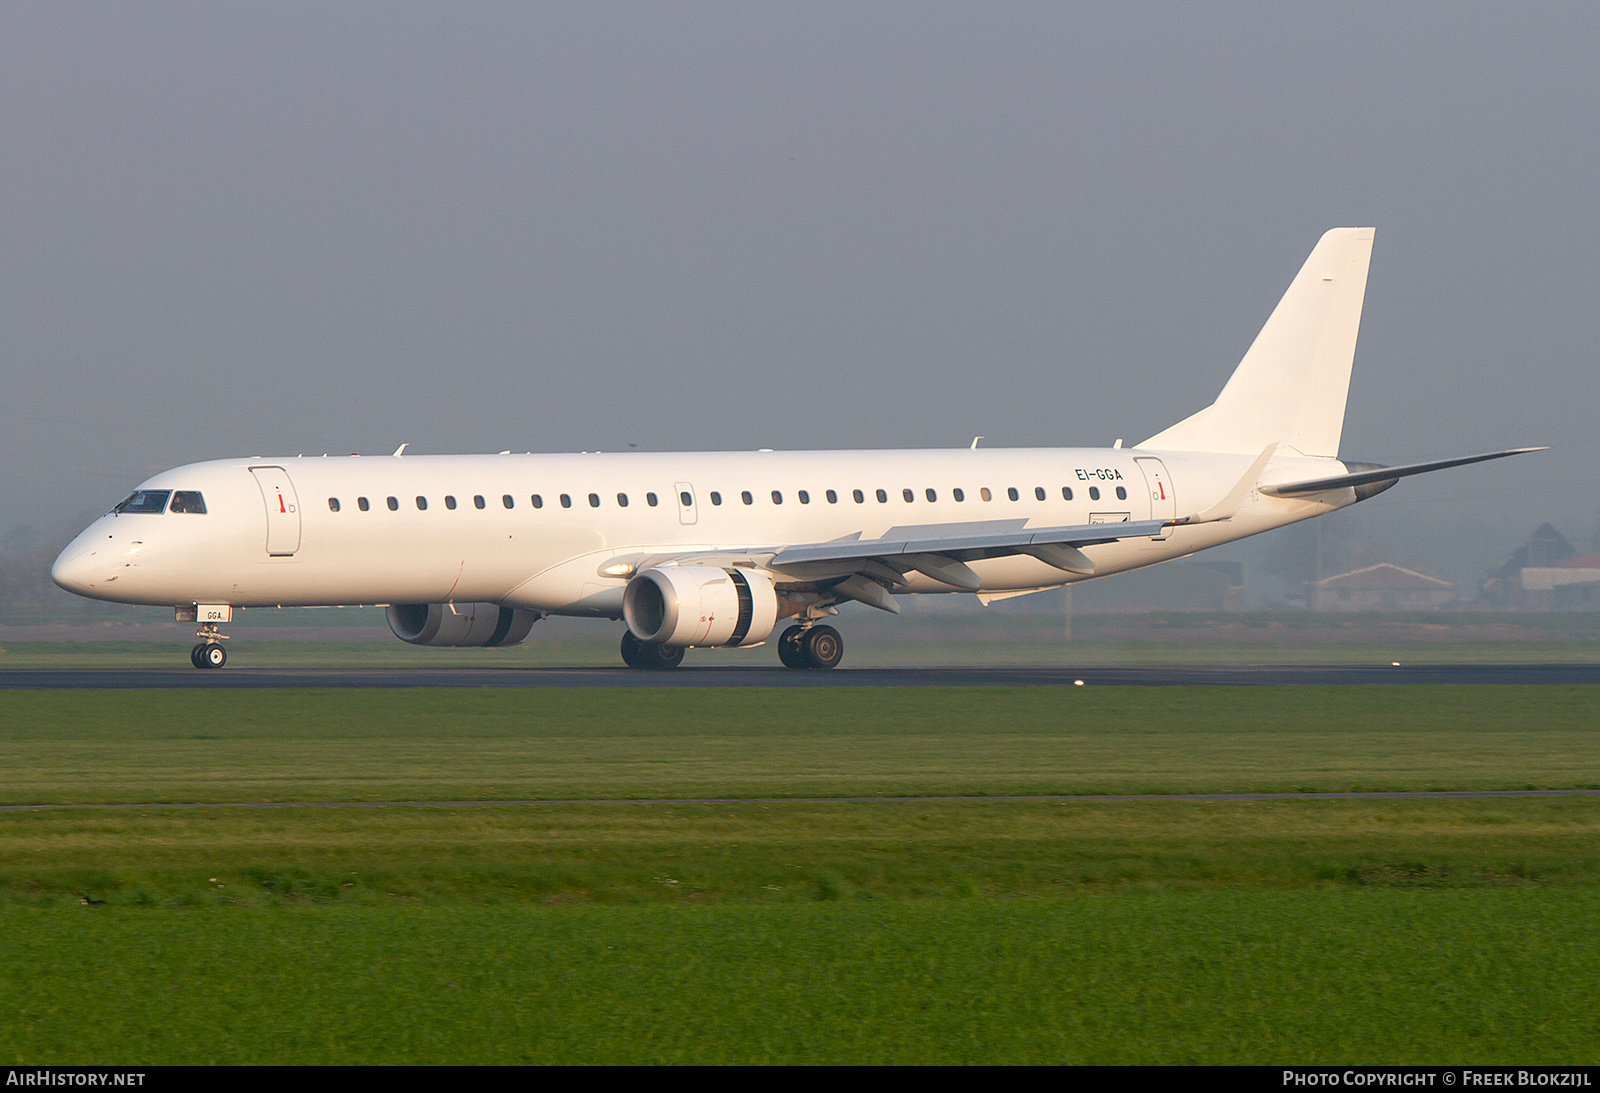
(813,648)
(209,653)
(648,656)
(803,648)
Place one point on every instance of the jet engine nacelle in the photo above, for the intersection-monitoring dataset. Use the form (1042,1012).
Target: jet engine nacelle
(455,624)
(700,605)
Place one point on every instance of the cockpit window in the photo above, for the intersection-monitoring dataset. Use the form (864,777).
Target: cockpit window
(150,501)
(188,501)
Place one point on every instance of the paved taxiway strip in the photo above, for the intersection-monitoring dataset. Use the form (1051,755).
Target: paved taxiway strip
(245,678)
(1083,798)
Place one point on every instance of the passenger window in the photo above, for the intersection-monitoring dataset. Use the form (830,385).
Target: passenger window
(191,502)
(333,505)
(566,500)
(1066,493)
(716,498)
(777,497)
(477,501)
(1094,493)
(958,494)
(361,503)
(805,498)
(833,498)
(422,503)
(594,500)
(932,496)
(622,500)
(746,498)
(859,496)
(1012,493)
(883,497)
(507,500)
(686,499)
(538,502)
(650,499)
(1038,492)
(1122,494)
(908,495)
(450,502)
(394,504)
(985,494)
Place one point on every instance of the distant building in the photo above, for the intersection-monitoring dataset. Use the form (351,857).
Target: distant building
(1574,583)
(1545,549)
(1382,587)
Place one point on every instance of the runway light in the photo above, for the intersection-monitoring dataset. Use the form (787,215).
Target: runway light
(1394,664)
(1077,683)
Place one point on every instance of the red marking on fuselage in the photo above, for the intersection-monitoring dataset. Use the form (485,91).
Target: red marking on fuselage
(280,504)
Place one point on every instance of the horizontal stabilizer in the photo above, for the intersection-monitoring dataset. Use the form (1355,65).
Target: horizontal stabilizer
(1383,474)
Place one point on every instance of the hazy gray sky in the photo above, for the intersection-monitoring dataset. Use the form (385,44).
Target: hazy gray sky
(231,229)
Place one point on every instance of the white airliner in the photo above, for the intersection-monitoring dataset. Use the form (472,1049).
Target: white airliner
(707,549)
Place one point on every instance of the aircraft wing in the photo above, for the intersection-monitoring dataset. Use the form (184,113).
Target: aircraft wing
(986,539)
(865,569)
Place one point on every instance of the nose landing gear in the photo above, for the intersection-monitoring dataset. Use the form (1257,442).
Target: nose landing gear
(209,653)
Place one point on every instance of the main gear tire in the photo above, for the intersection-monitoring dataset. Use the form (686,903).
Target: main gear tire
(823,648)
(631,650)
(790,649)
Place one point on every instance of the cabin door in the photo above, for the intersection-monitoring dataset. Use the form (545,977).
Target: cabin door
(1163,505)
(283,510)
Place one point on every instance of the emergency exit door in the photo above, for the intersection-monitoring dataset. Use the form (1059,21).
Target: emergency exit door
(688,512)
(283,510)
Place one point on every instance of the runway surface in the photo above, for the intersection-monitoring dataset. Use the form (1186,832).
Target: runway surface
(244,678)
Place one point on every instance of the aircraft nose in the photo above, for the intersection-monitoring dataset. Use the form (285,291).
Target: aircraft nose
(75,569)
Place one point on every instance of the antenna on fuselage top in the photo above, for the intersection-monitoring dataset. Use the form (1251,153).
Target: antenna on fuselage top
(400,449)
(975,443)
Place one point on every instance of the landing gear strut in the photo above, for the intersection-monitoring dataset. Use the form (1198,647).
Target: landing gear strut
(649,656)
(814,648)
(209,653)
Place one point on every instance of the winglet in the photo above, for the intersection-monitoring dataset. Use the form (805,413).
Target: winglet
(1225,509)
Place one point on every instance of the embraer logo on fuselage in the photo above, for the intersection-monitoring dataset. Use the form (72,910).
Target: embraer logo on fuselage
(1104,474)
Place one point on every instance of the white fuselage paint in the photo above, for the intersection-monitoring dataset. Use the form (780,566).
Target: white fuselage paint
(551,558)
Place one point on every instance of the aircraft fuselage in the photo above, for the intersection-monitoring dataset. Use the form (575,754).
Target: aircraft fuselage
(539,531)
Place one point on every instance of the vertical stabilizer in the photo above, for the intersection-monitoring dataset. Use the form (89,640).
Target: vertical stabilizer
(1290,389)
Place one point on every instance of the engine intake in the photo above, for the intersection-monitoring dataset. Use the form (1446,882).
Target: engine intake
(700,605)
(460,624)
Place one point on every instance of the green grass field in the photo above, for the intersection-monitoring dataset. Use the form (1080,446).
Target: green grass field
(971,930)
(457,743)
